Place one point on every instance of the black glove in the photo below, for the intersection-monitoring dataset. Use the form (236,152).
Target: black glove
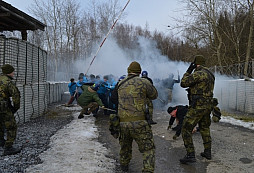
(191,68)
(13,110)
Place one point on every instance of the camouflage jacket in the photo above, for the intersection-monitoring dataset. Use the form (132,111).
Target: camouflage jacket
(88,96)
(201,85)
(8,89)
(132,97)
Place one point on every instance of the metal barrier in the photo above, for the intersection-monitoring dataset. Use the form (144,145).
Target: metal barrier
(30,63)
(236,95)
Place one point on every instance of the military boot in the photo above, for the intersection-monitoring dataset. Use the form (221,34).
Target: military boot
(207,154)
(152,122)
(125,168)
(2,142)
(11,150)
(189,158)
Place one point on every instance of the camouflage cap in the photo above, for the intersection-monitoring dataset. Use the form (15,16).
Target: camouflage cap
(7,69)
(199,60)
(134,67)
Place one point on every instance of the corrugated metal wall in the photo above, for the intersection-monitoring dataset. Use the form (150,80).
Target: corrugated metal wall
(236,95)
(30,63)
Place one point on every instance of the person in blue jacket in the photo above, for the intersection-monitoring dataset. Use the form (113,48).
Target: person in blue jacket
(72,89)
(103,91)
(80,83)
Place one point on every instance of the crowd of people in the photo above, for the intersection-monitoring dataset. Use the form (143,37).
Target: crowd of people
(128,101)
(131,99)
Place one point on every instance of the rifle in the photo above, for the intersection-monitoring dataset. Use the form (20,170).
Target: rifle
(148,117)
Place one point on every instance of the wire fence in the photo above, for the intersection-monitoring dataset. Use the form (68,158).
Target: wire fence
(236,70)
(30,63)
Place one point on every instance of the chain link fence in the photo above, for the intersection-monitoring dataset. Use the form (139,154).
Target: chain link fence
(30,63)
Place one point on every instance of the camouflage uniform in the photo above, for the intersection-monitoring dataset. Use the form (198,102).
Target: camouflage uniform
(133,95)
(200,95)
(7,119)
(89,99)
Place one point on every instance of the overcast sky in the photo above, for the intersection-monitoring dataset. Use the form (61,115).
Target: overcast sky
(157,13)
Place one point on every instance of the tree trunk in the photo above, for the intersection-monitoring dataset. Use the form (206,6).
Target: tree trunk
(249,41)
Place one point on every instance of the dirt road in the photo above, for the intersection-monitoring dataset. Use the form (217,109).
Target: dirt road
(232,148)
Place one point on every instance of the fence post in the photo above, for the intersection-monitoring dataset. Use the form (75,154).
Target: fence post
(252,65)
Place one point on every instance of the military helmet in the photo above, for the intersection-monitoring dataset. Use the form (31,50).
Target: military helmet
(7,69)
(199,60)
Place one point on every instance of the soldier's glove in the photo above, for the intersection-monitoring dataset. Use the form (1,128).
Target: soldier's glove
(169,127)
(215,119)
(191,68)
(216,114)
(175,137)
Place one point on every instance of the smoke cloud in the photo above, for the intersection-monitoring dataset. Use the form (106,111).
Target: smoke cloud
(114,60)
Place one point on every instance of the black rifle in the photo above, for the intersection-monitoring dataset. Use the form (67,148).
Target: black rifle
(148,117)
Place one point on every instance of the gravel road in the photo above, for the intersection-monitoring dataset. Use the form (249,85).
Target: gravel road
(232,148)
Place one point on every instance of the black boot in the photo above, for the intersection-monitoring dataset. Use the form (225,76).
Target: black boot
(125,168)
(189,158)
(152,122)
(2,142)
(207,154)
(11,150)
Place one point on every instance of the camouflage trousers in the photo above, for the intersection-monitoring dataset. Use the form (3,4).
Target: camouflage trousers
(141,132)
(200,116)
(91,107)
(8,123)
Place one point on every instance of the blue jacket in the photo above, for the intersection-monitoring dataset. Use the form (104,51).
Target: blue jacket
(103,88)
(79,85)
(72,88)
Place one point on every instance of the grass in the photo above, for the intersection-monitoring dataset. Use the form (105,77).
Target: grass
(239,116)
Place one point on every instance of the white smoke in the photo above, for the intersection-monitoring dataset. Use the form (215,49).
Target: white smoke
(114,60)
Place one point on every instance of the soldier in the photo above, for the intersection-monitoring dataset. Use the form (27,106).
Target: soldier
(200,94)
(7,120)
(89,101)
(133,93)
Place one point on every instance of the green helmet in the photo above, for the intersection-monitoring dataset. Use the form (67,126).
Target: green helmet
(199,60)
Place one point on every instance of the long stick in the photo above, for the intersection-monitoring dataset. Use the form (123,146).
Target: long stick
(112,27)
(108,109)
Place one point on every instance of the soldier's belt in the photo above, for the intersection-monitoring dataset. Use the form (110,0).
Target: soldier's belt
(128,119)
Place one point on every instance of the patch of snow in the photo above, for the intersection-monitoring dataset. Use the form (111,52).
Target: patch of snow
(75,149)
(226,119)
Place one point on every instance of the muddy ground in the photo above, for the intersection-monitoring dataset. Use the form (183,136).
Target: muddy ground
(232,148)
